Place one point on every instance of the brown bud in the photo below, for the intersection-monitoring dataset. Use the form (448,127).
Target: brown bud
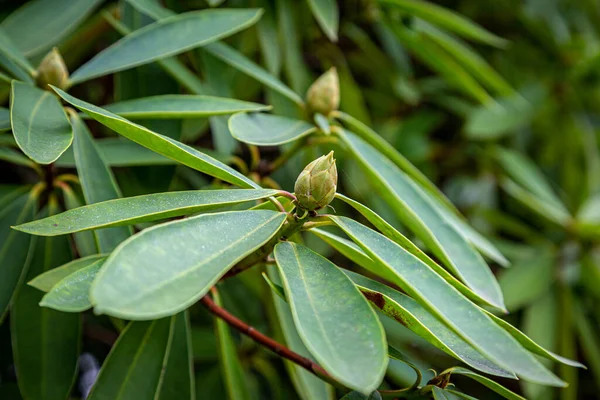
(52,71)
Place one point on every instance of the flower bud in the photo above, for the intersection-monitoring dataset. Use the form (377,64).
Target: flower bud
(52,71)
(316,185)
(323,96)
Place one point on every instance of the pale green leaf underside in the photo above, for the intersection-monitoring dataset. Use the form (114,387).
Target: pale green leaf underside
(496,387)
(180,261)
(327,15)
(161,144)
(167,37)
(173,106)
(334,321)
(416,318)
(132,210)
(48,279)
(441,299)
(39,123)
(38,25)
(71,294)
(267,130)
(419,212)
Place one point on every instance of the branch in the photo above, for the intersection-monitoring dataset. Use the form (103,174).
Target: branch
(266,341)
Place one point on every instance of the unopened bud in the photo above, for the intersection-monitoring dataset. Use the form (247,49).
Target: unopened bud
(323,96)
(52,71)
(316,185)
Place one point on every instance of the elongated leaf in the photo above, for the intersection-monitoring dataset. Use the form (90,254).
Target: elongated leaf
(326,308)
(437,296)
(161,144)
(268,130)
(45,342)
(416,318)
(181,261)
(15,247)
(71,294)
(307,385)
(4,119)
(167,37)
(181,106)
(504,116)
(447,19)
(97,181)
(14,157)
(443,394)
(85,242)
(15,58)
(46,281)
(399,238)
(39,123)
(133,210)
(39,24)
(415,208)
(359,396)
(501,390)
(327,15)
(231,367)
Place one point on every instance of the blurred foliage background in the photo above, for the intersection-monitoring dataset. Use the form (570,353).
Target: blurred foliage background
(507,128)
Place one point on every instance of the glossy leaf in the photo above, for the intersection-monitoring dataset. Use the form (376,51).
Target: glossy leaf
(444,205)
(45,342)
(447,19)
(161,144)
(167,37)
(443,394)
(180,106)
(85,242)
(46,281)
(416,318)
(182,260)
(133,210)
(231,367)
(15,247)
(438,297)
(496,387)
(327,15)
(150,361)
(307,385)
(97,181)
(71,294)
(39,24)
(412,205)
(327,308)
(237,60)
(15,58)
(399,238)
(39,123)
(267,129)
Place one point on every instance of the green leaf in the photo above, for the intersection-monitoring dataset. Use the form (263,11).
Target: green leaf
(71,294)
(181,261)
(237,60)
(85,242)
(161,144)
(45,342)
(97,181)
(442,394)
(38,25)
(46,281)
(588,339)
(167,37)
(15,247)
(487,382)
(4,119)
(307,385)
(437,296)
(133,210)
(327,307)
(447,19)
(389,231)
(17,60)
(327,15)
(412,205)
(416,318)
(150,361)
(39,123)
(231,367)
(267,129)
(181,106)
(359,396)
(14,157)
